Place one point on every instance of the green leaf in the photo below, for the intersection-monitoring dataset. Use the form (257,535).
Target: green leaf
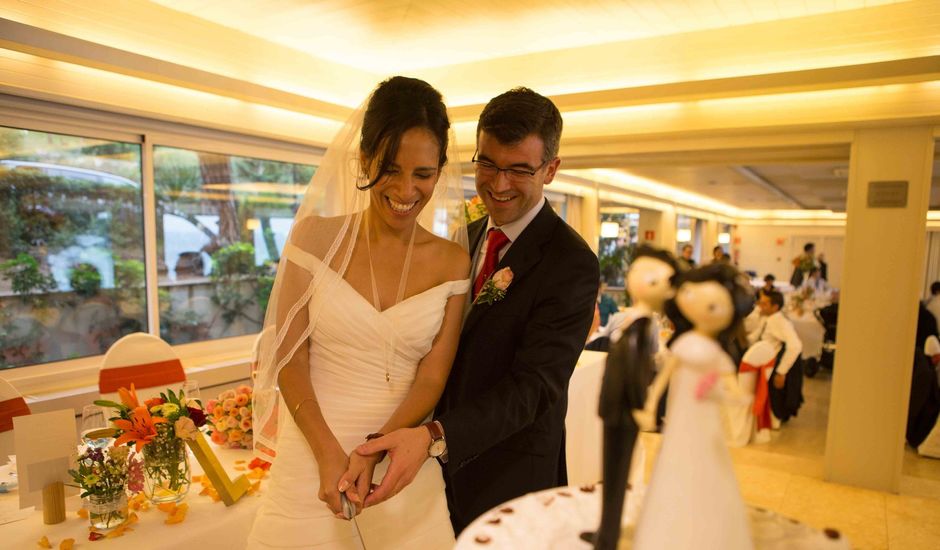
(106,403)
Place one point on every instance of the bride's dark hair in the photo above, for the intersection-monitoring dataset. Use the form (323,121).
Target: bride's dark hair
(398,105)
(742,299)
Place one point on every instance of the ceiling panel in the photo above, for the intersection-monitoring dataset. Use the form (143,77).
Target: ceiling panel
(423,34)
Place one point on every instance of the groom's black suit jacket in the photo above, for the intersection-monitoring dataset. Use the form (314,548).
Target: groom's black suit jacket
(504,406)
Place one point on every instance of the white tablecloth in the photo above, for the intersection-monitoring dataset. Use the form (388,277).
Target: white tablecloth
(208,524)
(810,331)
(583,428)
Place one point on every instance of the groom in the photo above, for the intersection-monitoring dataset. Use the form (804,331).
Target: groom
(499,427)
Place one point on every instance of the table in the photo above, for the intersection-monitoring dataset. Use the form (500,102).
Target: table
(810,331)
(584,430)
(208,524)
(553,519)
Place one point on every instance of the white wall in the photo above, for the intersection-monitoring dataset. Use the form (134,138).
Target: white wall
(771,248)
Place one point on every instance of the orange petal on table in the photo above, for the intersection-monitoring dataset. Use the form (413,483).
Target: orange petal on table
(82,513)
(168,507)
(67,544)
(240,461)
(240,468)
(196,477)
(44,542)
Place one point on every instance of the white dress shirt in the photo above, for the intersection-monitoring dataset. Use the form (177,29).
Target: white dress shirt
(933,306)
(512,230)
(778,330)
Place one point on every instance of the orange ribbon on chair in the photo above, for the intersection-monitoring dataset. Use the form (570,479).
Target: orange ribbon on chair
(761,392)
(148,375)
(10,408)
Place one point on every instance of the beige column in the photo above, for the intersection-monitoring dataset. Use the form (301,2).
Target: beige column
(660,225)
(590,219)
(884,255)
(709,240)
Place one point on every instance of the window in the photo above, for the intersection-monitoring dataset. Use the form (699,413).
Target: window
(71,246)
(222,222)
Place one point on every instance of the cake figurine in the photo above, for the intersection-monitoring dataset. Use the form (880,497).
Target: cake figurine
(693,500)
(631,366)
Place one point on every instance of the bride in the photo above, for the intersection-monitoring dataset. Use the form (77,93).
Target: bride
(362,326)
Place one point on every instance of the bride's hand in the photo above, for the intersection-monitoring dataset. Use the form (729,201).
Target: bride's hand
(332,465)
(357,481)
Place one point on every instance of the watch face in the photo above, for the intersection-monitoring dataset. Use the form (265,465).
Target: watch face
(437,448)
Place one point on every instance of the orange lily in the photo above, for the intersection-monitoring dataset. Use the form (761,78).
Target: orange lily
(129,397)
(140,428)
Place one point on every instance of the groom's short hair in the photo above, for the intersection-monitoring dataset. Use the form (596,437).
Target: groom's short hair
(512,116)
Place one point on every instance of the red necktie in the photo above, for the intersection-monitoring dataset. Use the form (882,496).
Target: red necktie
(496,241)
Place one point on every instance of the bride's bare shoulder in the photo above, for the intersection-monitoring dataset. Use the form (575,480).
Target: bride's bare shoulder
(453,259)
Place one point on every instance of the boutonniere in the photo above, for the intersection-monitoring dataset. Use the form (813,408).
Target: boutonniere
(494,289)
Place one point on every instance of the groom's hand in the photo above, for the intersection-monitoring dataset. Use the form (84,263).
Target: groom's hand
(407,450)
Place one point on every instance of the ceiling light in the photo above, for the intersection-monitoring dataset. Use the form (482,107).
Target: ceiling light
(684,235)
(724,238)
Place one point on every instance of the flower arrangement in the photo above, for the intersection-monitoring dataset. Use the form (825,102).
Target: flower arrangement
(104,476)
(475,209)
(230,418)
(159,428)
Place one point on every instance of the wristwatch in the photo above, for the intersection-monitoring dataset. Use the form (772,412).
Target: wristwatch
(438,447)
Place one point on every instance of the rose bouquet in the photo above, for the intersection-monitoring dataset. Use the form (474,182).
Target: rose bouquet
(475,209)
(230,418)
(159,428)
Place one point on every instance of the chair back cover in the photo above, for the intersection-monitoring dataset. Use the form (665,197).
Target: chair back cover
(142,359)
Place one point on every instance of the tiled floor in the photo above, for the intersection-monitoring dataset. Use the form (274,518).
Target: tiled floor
(786,475)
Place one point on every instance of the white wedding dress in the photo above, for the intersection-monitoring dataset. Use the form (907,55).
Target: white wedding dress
(348,361)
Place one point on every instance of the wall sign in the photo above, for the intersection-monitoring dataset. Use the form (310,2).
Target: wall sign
(887,194)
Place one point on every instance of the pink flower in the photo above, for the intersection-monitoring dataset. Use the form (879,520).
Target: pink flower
(219,438)
(242,399)
(244,412)
(502,278)
(235,435)
(245,425)
(227,394)
(232,422)
(244,389)
(210,406)
(228,404)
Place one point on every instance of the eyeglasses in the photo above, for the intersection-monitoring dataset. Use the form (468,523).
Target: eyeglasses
(517,175)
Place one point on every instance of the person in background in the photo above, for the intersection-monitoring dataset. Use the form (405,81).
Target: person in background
(605,304)
(802,264)
(823,266)
(933,303)
(686,262)
(769,280)
(775,328)
(718,254)
(819,286)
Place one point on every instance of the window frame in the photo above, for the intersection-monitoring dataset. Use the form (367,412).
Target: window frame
(216,362)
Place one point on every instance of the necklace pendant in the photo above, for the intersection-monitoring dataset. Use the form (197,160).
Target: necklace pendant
(388,378)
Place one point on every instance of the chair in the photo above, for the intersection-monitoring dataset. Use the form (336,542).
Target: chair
(11,404)
(751,421)
(143,360)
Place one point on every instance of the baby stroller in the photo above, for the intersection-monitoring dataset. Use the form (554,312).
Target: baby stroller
(828,316)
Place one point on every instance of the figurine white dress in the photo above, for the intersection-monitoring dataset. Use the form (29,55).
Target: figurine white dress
(693,500)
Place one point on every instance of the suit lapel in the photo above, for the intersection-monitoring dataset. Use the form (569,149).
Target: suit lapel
(521,257)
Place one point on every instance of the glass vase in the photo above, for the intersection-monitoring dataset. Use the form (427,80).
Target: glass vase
(166,468)
(106,511)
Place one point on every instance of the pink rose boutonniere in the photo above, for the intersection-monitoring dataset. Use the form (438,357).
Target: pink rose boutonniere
(494,289)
